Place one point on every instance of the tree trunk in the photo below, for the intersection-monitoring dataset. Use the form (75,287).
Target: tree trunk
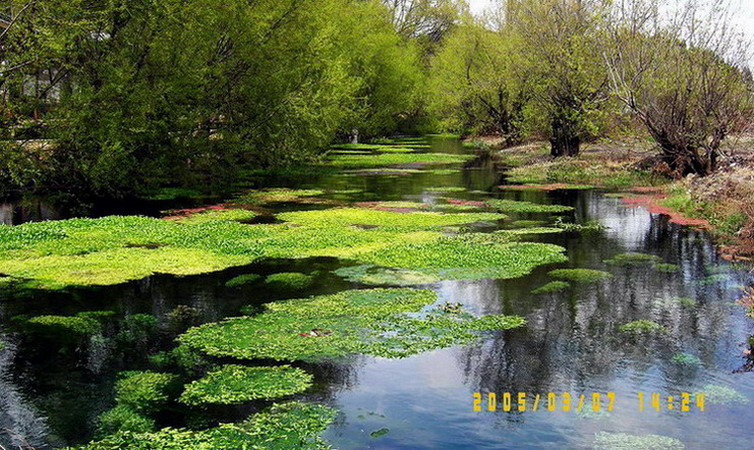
(564,142)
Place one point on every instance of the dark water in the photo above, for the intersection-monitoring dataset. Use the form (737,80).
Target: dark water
(51,395)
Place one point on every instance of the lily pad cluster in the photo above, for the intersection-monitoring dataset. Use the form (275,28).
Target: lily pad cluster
(371,322)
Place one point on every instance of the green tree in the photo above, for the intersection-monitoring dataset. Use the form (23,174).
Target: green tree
(477,82)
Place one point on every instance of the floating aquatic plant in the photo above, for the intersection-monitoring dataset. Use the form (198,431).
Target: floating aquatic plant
(525,207)
(237,384)
(552,286)
(532,230)
(242,280)
(282,426)
(359,321)
(686,359)
(722,395)
(633,260)
(375,275)
(280,195)
(446,189)
(289,281)
(714,279)
(145,392)
(586,226)
(580,275)
(668,268)
(686,302)
(379,433)
(623,441)
(123,418)
(214,215)
(79,324)
(641,327)
(392,159)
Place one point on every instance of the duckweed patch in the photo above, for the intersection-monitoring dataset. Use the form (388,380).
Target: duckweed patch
(242,280)
(282,426)
(237,384)
(122,418)
(358,321)
(722,395)
(622,441)
(642,327)
(552,286)
(633,260)
(375,275)
(526,207)
(80,324)
(289,281)
(580,275)
(446,189)
(532,230)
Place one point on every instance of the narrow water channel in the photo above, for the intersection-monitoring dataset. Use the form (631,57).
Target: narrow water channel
(571,343)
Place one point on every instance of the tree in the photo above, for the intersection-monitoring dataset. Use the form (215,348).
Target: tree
(684,76)
(477,83)
(563,39)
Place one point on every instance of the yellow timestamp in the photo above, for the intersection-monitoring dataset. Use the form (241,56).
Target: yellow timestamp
(593,401)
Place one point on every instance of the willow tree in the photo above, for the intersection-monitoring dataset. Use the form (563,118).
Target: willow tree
(479,83)
(684,75)
(563,39)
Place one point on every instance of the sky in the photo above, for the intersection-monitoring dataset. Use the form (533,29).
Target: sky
(745,14)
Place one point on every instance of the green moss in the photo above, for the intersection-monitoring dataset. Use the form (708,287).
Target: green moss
(532,230)
(722,395)
(360,321)
(633,260)
(123,418)
(641,327)
(623,441)
(282,426)
(242,280)
(527,223)
(289,281)
(392,159)
(375,275)
(145,392)
(686,359)
(580,275)
(552,286)
(525,207)
(237,384)
(668,268)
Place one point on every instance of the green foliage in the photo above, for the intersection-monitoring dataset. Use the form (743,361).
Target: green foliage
(552,286)
(278,195)
(686,302)
(476,84)
(633,260)
(71,324)
(289,281)
(588,226)
(641,327)
(237,384)
(282,426)
(123,418)
(623,441)
(525,207)
(145,392)
(360,321)
(580,275)
(242,280)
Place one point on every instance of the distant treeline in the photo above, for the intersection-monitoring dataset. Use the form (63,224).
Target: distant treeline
(107,98)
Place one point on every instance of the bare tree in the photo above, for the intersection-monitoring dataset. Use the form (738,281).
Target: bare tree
(683,73)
